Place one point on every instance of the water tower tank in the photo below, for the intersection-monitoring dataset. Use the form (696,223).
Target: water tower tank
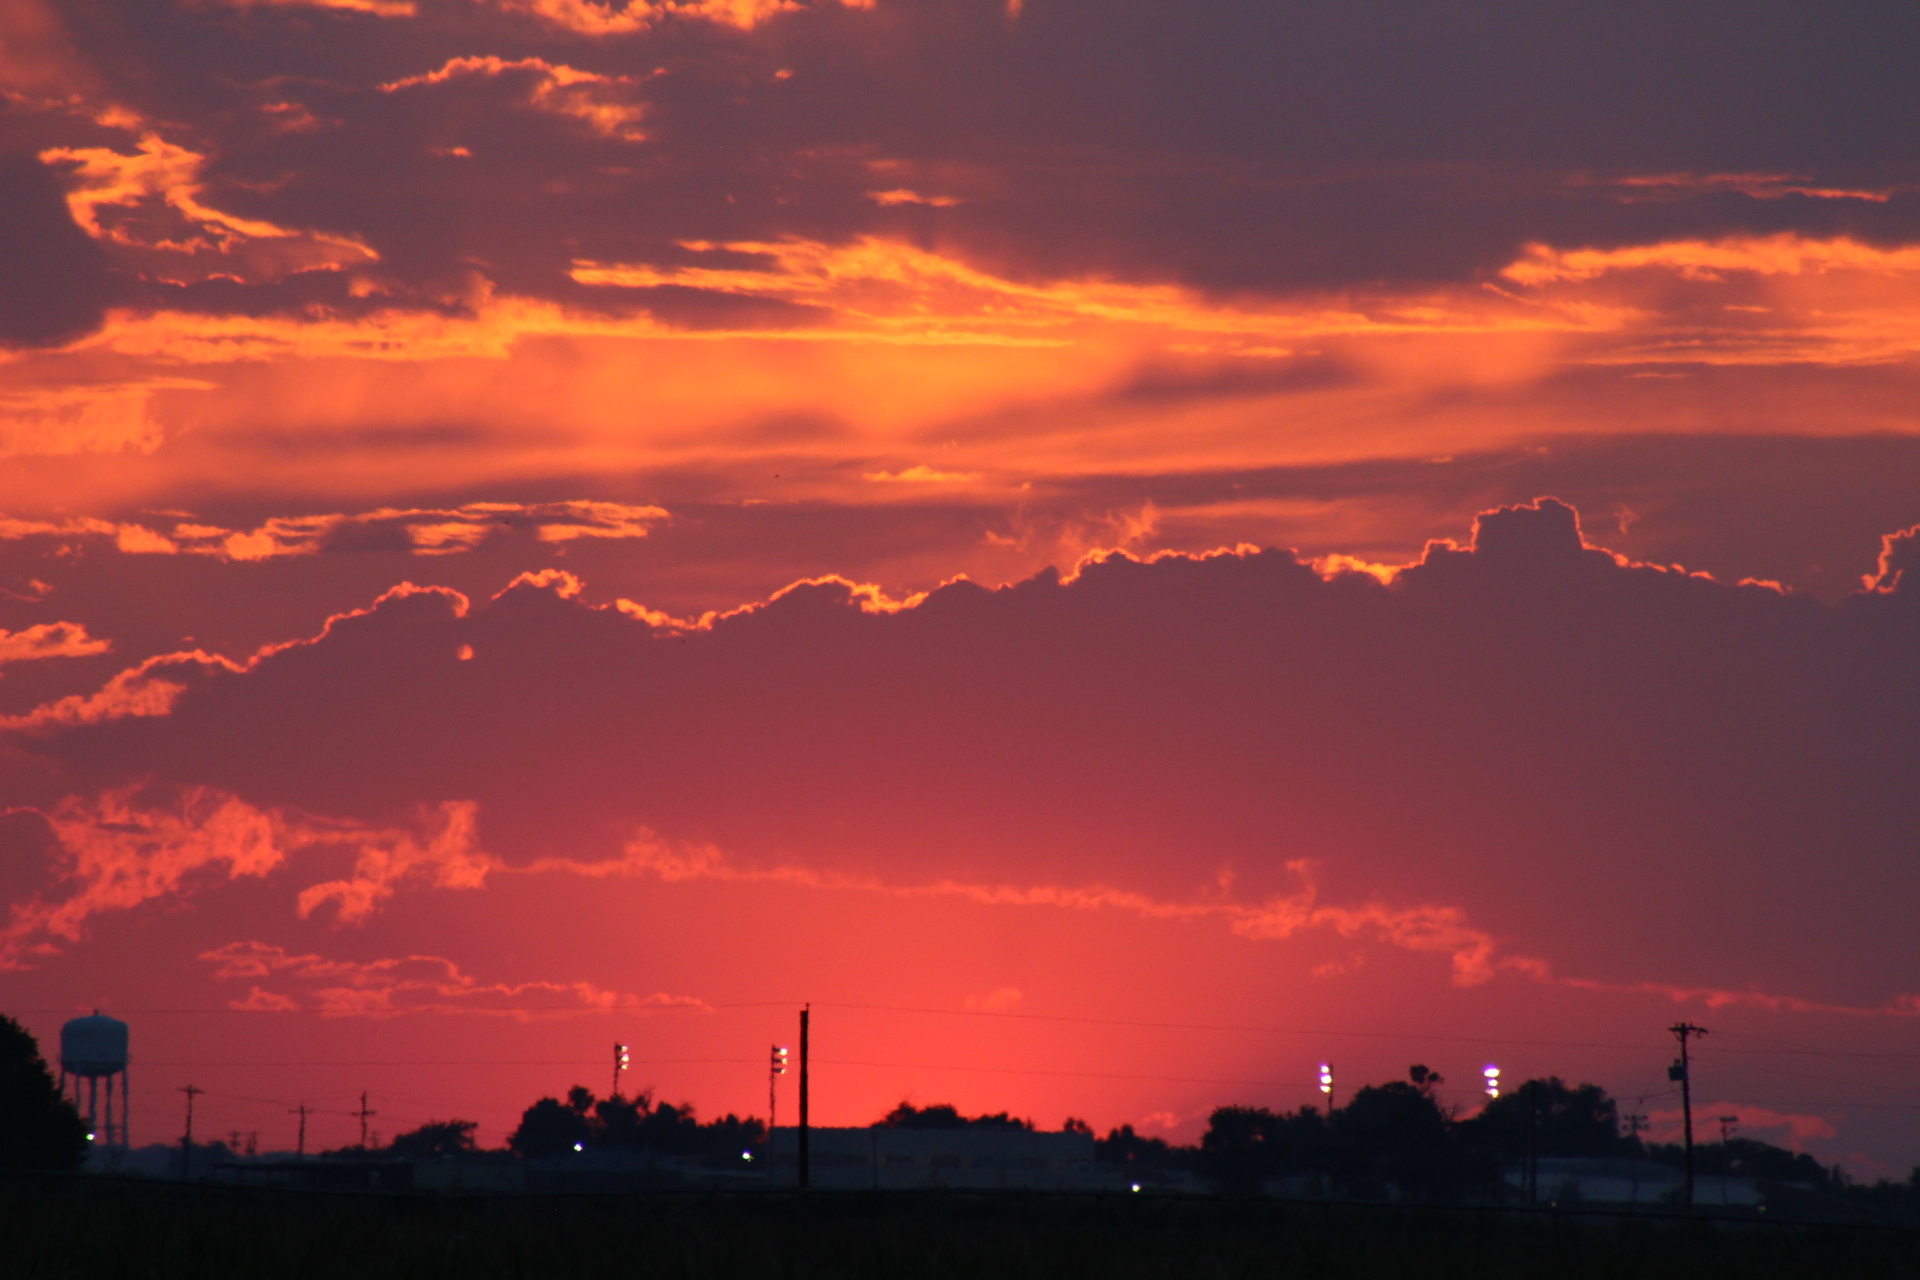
(93,1046)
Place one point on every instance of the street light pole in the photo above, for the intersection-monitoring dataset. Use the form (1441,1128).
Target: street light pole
(776,1067)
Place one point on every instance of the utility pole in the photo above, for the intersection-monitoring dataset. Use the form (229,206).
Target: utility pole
(300,1146)
(186,1142)
(776,1067)
(1680,1071)
(619,1065)
(805,1014)
(1533,1142)
(363,1113)
(1635,1123)
(1727,1124)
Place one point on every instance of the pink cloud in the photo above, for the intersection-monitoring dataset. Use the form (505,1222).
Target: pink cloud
(412,984)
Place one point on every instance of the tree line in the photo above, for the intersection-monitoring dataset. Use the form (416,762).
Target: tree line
(1390,1140)
(1397,1140)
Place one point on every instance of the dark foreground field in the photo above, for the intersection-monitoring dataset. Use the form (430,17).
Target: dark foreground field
(154,1231)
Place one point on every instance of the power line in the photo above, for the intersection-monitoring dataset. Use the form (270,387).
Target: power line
(1230,1027)
(461,1062)
(1233,1028)
(1026,1071)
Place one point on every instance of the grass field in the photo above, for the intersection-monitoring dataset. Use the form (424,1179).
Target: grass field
(84,1228)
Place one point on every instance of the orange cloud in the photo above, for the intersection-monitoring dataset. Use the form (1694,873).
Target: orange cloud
(1760,186)
(1474,955)
(121,849)
(586,96)
(920,474)
(599,18)
(448,858)
(104,417)
(901,195)
(137,691)
(151,204)
(1431,929)
(379,8)
(120,853)
(413,984)
(49,640)
(893,289)
(1784,254)
(426,531)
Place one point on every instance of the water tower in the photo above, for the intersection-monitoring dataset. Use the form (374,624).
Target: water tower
(95,1049)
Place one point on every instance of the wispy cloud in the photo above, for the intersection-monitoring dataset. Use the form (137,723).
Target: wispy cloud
(411,985)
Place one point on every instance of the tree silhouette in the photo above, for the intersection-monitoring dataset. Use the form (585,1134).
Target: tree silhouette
(549,1128)
(435,1139)
(1394,1138)
(1567,1121)
(39,1129)
(1245,1146)
(944,1115)
(1124,1146)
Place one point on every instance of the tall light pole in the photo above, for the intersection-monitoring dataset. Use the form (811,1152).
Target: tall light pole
(1681,1071)
(1492,1076)
(620,1060)
(1326,1085)
(776,1067)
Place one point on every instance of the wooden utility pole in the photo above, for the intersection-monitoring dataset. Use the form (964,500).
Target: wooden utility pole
(186,1142)
(300,1145)
(1635,1123)
(363,1113)
(1682,1072)
(1532,1089)
(1727,1126)
(804,1017)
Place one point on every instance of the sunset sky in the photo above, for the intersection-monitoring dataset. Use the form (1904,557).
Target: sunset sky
(1122,550)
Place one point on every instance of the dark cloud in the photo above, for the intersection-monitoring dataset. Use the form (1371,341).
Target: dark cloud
(1805,512)
(55,282)
(1636,774)
(1229,145)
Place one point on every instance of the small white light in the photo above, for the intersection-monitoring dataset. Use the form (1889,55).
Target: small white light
(579,1146)
(90,1137)
(746,1155)
(1136,1186)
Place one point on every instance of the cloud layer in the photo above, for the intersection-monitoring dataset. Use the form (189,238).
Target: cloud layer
(979,345)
